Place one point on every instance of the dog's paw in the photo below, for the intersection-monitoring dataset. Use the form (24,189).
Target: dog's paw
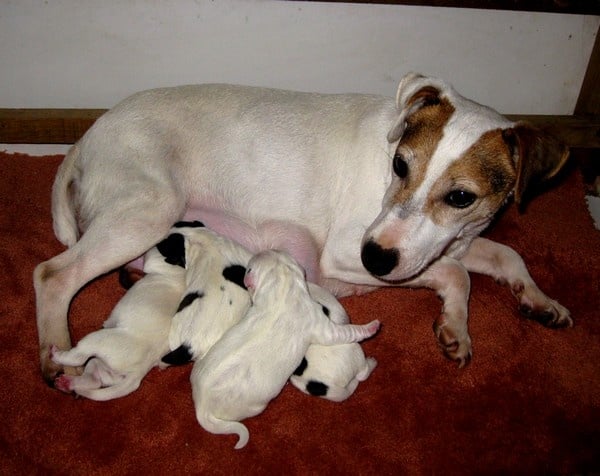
(534,304)
(455,345)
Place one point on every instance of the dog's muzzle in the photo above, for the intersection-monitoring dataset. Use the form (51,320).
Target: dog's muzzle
(377,260)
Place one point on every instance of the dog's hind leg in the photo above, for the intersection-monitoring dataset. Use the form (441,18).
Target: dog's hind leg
(95,375)
(450,280)
(506,266)
(126,385)
(117,235)
(73,358)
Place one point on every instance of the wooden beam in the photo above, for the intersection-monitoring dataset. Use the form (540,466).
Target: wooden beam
(45,126)
(66,126)
(581,7)
(588,101)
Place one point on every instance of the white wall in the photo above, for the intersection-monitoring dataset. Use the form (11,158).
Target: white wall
(90,54)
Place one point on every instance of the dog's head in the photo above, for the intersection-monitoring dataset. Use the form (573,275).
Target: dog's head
(456,163)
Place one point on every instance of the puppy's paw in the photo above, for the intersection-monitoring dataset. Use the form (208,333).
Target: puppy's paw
(63,383)
(50,369)
(534,304)
(373,327)
(454,344)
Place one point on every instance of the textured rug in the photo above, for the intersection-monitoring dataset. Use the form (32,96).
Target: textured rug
(529,402)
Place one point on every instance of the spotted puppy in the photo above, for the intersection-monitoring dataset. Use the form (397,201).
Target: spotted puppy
(332,372)
(215,298)
(135,336)
(251,363)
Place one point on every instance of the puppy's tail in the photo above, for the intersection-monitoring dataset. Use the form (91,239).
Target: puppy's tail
(223,427)
(64,199)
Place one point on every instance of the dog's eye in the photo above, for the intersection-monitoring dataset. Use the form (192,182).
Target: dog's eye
(400,166)
(460,198)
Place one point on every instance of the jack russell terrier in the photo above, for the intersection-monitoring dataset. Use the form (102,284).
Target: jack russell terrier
(252,362)
(376,191)
(133,339)
(332,372)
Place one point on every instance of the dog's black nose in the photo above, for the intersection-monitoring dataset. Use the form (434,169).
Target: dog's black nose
(377,260)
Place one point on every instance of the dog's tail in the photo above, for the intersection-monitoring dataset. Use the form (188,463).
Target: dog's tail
(223,427)
(64,200)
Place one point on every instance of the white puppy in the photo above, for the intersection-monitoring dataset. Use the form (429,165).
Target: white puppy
(332,372)
(251,363)
(135,336)
(215,297)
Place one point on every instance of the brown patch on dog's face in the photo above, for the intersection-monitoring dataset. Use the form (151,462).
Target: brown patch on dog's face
(485,174)
(424,130)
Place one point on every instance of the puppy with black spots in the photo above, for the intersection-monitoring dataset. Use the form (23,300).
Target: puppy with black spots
(332,372)
(251,363)
(135,336)
(215,297)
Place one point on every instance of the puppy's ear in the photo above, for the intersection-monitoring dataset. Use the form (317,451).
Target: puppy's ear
(538,157)
(414,92)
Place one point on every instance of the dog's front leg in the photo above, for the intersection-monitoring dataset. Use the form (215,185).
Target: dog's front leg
(506,266)
(451,281)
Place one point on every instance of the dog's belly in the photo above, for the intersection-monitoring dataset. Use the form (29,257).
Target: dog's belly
(288,236)
(227,225)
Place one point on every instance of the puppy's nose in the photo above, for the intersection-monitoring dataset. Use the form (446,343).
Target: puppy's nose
(377,260)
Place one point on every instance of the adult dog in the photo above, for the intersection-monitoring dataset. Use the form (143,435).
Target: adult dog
(375,191)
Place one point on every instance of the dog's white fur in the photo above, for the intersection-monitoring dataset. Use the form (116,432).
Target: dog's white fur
(134,337)
(222,302)
(345,172)
(251,363)
(334,369)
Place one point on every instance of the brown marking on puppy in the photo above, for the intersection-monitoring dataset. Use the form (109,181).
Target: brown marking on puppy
(486,169)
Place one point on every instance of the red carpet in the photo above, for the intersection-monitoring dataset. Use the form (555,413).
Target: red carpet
(529,403)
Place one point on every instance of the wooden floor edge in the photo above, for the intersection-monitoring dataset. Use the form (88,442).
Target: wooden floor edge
(66,126)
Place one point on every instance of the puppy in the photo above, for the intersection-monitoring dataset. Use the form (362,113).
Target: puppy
(377,191)
(215,297)
(332,372)
(135,336)
(251,363)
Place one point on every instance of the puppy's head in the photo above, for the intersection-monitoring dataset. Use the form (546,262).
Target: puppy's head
(272,271)
(455,164)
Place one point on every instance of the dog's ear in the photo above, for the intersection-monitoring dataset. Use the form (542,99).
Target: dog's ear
(414,92)
(538,156)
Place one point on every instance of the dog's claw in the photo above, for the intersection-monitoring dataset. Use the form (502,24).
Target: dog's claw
(555,317)
(534,304)
(464,361)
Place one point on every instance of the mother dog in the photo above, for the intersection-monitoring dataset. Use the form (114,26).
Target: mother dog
(362,190)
